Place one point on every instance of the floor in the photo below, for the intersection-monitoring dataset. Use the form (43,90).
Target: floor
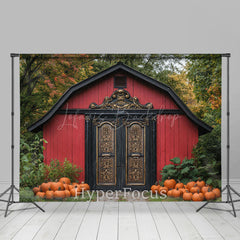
(119,220)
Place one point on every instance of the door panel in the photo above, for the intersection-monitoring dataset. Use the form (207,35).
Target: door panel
(106,154)
(135,154)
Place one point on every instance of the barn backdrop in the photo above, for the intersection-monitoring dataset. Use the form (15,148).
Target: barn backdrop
(120,121)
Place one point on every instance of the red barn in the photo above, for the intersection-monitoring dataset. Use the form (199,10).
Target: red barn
(121,126)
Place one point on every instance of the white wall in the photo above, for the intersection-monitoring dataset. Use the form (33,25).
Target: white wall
(113,27)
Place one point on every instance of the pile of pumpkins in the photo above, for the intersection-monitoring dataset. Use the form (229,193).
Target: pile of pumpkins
(192,191)
(60,189)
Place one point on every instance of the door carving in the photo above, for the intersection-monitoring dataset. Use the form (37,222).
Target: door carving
(135,154)
(106,153)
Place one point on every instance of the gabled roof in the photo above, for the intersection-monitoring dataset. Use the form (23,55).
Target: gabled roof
(203,127)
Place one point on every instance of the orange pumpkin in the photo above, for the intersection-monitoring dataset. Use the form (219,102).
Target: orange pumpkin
(40,195)
(75,191)
(84,186)
(162,190)
(200,183)
(182,190)
(44,187)
(65,186)
(56,185)
(187,196)
(217,192)
(59,194)
(65,180)
(190,185)
(70,187)
(209,195)
(155,187)
(195,189)
(204,189)
(67,194)
(36,190)
(179,185)
(176,193)
(169,183)
(49,194)
(197,197)
(170,193)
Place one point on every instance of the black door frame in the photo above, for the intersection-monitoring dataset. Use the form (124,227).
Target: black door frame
(90,147)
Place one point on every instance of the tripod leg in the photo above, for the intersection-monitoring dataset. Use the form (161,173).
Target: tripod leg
(235,191)
(5,191)
(230,196)
(38,206)
(202,206)
(8,203)
(224,189)
(16,189)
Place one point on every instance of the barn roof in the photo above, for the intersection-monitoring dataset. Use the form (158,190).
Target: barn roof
(203,127)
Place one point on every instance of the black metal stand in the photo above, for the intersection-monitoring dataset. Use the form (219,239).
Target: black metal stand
(228,187)
(12,187)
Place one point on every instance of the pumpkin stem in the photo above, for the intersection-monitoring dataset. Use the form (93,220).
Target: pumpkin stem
(156,183)
(59,189)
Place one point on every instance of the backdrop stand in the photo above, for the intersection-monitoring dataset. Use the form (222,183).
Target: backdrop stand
(228,187)
(12,187)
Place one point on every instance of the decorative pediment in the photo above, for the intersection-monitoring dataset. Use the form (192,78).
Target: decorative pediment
(121,99)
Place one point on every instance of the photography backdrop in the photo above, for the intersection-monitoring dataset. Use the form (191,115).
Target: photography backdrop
(169,127)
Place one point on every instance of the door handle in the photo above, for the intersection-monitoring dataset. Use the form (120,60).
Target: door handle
(135,155)
(106,155)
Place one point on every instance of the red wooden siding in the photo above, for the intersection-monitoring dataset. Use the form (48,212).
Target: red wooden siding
(65,135)
(176,134)
(98,91)
(176,137)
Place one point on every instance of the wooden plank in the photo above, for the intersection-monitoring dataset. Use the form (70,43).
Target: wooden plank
(227,216)
(165,226)
(73,222)
(224,228)
(108,228)
(128,228)
(206,230)
(92,218)
(185,228)
(29,230)
(52,225)
(146,225)
(16,220)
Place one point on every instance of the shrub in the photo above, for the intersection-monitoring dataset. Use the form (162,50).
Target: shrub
(55,170)
(32,168)
(184,171)
(188,170)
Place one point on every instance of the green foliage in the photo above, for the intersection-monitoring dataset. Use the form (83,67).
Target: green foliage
(26,195)
(55,170)
(208,156)
(32,168)
(188,170)
(184,171)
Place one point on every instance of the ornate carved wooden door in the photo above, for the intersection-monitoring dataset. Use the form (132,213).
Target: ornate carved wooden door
(135,153)
(121,156)
(106,153)
(120,144)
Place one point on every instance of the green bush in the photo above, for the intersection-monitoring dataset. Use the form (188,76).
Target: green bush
(55,170)
(184,171)
(32,168)
(208,156)
(187,171)
(26,195)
